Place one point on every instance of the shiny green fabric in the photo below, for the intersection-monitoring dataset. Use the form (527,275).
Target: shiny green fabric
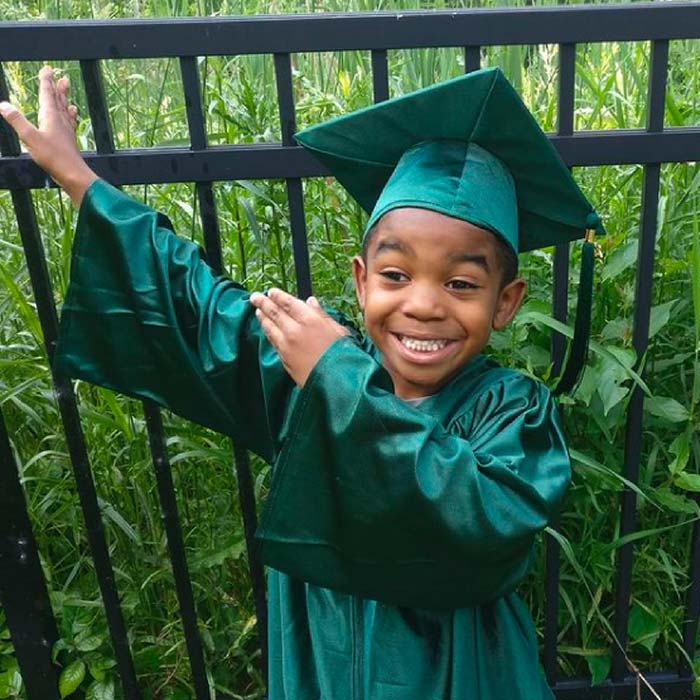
(395,534)
(363,148)
(456,178)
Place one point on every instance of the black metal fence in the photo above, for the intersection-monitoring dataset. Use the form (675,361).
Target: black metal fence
(22,589)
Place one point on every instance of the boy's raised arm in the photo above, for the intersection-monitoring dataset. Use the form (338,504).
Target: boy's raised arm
(144,314)
(52,142)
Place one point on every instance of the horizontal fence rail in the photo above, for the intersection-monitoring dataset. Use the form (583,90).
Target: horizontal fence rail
(345,32)
(90,42)
(269,161)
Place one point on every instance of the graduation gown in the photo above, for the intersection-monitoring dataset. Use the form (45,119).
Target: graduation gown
(395,535)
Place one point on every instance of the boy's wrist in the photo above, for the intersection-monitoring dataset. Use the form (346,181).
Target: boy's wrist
(76,184)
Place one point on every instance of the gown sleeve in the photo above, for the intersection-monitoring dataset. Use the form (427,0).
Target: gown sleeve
(375,497)
(146,316)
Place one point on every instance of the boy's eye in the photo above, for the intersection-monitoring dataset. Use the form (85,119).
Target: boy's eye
(461,285)
(394,275)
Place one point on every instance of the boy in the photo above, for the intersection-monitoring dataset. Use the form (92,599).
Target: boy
(411,473)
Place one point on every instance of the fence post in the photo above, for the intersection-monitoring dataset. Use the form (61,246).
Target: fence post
(23,593)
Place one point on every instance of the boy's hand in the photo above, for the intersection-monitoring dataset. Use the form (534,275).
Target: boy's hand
(52,144)
(299,331)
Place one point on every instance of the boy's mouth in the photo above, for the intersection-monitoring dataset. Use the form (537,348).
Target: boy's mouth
(422,344)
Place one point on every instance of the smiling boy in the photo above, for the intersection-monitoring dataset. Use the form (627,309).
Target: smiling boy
(431,288)
(411,473)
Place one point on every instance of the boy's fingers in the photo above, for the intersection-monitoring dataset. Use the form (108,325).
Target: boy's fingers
(294,307)
(314,304)
(47,88)
(63,90)
(272,332)
(25,130)
(73,115)
(268,309)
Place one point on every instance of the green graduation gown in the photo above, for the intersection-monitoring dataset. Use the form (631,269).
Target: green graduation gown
(395,534)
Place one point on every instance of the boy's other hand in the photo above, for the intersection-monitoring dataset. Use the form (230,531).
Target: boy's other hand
(52,143)
(299,331)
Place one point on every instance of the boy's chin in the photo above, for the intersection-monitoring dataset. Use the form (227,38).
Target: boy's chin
(415,386)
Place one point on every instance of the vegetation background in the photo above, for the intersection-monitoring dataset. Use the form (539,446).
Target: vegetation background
(147,109)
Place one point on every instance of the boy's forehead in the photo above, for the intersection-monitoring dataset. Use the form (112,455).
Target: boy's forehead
(412,231)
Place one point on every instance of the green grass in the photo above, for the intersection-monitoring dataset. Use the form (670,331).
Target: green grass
(239,99)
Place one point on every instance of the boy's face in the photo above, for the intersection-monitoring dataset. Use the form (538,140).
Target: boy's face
(431,292)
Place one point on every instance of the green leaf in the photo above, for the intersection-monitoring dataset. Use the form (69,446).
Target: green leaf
(233,551)
(599,666)
(99,666)
(595,347)
(618,328)
(588,385)
(643,628)
(249,212)
(659,317)
(100,690)
(71,677)
(89,642)
(110,513)
(148,659)
(590,463)
(675,502)
(642,534)
(676,117)
(10,682)
(610,394)
(620,259)
(680,448)
(667,408)
(687,481)
(677,359)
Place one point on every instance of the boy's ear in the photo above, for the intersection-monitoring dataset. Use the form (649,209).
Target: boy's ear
(509,300)
(359,276)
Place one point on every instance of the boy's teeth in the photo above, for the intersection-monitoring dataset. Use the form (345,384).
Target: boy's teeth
(422,345)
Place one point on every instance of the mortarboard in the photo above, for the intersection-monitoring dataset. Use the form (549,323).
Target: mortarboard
(468,148)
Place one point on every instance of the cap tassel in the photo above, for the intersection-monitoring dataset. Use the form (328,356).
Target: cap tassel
(570,377)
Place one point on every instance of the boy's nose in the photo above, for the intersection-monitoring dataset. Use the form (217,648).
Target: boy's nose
(424,304)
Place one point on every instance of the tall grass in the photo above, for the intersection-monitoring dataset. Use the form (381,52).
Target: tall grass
(147,108)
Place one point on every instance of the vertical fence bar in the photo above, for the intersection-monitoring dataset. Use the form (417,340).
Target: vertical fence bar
(295,196)
(380,75)
(640,340)
(212,241)
(198,141)
(692,613)
(176,549)
(95,94)
(565,126)
(43,295)
(472,58)
(23,593)
(241,463)
(692,609)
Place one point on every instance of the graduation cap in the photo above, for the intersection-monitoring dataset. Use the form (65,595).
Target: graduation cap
(471,149)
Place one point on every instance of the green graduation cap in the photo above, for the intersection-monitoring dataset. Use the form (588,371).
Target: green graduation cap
(468,148)
(471,149)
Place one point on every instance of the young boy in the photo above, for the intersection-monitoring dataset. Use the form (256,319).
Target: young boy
(411,473)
